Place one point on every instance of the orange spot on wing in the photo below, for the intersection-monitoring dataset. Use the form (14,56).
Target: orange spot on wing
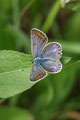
(57,49)
(40,35)
(40,76)
(57,66)
(57,53)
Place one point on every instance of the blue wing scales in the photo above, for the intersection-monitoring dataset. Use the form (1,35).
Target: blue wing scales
(38,41)
(37,73)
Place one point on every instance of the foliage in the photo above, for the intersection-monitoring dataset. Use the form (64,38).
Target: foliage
(14,113)
(14,73)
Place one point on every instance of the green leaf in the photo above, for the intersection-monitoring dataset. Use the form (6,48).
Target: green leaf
(14,113)
(65,60)
(14,73)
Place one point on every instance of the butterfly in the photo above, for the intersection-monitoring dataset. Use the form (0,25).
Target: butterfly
(46,56)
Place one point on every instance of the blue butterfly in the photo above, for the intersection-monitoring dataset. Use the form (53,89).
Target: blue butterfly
(46,56)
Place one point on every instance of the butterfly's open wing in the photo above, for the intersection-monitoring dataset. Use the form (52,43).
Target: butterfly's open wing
(37,73)
(52,66)
(38,41)
(52,51)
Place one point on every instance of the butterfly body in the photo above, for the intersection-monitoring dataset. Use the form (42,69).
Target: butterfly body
(37,60)
(40,60)
(46,56)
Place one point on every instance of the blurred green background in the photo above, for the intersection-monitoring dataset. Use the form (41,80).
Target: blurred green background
(56,97)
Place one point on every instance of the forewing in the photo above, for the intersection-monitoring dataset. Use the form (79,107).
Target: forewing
(52,66)
(37,73)
(52,51)
(38,41)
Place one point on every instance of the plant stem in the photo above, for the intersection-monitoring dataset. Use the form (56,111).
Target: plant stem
(51,17)
(16,17)
(25,9)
